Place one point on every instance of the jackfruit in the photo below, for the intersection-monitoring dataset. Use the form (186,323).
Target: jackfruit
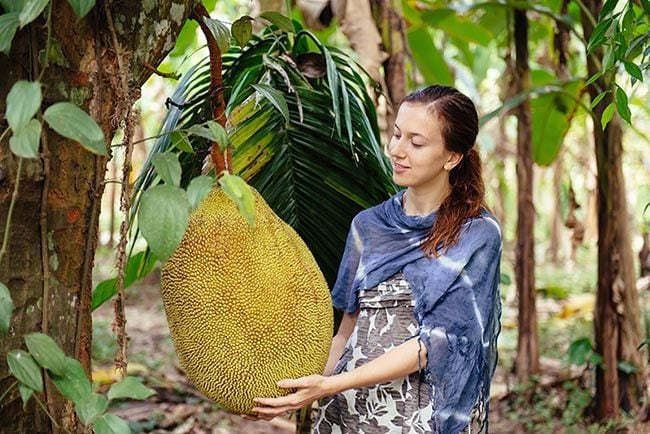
(246,305)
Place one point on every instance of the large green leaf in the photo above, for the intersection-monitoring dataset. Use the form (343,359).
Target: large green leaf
(31,10)
(427,57)
(23,101)
(24,368)
(25,141)
(6,309)
(8,26)
(111,424)
(131,388)
(70,121)
(137,267)
(46,352)
(163,217)
(73,383)
(81,7)
(91,408)
(551,118)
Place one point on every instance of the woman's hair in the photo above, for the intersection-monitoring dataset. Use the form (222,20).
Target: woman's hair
(459,127)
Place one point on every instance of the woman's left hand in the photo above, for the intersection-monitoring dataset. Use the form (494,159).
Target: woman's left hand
(308,390)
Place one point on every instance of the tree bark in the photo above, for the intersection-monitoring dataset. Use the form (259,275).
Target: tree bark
(617,319)
(527,359)
(54,227)
(389,19)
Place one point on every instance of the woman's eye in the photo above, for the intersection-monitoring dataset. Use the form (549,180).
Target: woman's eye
(417,145)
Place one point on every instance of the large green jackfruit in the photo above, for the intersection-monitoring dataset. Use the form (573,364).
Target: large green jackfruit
(246,306)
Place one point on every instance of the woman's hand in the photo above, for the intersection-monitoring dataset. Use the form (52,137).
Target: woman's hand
(308,390)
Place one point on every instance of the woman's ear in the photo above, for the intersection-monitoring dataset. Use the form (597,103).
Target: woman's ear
(454,159)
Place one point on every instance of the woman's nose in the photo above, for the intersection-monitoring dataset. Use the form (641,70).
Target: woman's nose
(395,147)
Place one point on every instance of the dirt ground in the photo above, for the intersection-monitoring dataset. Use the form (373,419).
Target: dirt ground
(178,408)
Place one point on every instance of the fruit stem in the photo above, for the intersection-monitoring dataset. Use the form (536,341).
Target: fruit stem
(222,160)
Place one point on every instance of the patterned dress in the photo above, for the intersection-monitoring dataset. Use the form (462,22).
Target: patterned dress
(402,406)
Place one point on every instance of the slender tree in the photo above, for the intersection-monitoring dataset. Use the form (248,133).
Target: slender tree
(617,319)
(527,360)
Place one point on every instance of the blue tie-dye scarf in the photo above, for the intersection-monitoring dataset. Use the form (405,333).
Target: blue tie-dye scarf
(457,302)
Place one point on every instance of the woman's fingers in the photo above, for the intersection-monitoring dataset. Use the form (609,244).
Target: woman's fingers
(269,413)
(249,417)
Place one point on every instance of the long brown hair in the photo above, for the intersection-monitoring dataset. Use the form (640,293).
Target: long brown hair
(459,124)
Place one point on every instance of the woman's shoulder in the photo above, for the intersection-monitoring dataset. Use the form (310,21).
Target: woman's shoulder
(376,211)
(483,229)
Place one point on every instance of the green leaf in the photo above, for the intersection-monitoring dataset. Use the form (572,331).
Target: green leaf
(275,97)
(91,408)
(598,35)
(201,131)
(198,189)
(73,384)
(627,367)
(31,10)
(130,387)
(25,393)
(598,99)
(242,30)
(12,5)
(24,368)
(282,21)
(240,192)
(23,102)
(181,141)
(25,141)
(633,70)
(622,105)
(6,309)
(220,32)
(579,351)
(428,58)
(137,267)
(46,352)
(609,59)
(608,7)
(70,121)
(505,279)
(81,7)
(111,424)
(168,167)
(607,115)
(219,134)
(163,216)
(8,26)
(593,78)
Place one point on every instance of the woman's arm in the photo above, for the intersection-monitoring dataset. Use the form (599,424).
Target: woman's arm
(396,363)
(346,327)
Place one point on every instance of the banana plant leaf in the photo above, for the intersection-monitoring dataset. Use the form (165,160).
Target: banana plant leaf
(317,164)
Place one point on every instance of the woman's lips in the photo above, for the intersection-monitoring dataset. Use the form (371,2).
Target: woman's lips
(398,168)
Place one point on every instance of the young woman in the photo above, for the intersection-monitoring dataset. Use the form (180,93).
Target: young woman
(418,284)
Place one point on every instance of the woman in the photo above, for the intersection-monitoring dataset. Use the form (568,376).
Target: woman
(418,284)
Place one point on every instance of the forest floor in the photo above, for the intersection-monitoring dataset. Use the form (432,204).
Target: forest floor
(556,405)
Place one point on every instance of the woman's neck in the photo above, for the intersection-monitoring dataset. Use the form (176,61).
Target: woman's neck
(418,202)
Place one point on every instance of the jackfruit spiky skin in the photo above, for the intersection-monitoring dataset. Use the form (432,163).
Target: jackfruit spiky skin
(246,306)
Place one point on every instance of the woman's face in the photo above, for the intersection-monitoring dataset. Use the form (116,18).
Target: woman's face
(417,150)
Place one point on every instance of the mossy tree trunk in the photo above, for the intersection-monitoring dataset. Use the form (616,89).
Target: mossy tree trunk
(54,227)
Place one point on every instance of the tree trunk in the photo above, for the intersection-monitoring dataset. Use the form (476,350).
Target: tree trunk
(527,360)
(617,320)
(54,226)
(389,19)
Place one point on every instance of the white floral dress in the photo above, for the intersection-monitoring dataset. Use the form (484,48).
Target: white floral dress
(402,406)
